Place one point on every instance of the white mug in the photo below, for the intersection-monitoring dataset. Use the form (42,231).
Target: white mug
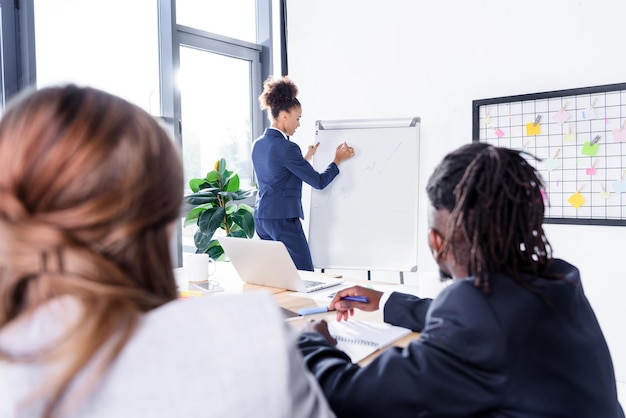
(198,267)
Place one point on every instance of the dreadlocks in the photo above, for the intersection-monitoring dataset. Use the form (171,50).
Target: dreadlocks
(496,212)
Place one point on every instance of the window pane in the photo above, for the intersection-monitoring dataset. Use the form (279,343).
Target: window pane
(216,113)
(111,45)
(232,18)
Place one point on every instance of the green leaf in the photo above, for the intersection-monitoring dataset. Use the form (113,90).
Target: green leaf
(213,177)
(210,220)
(216,253)
(192,216)
(238,233)
(202,241)
(194,184)
(221,165)
(200,200)
(230,209)
(247,208)
(232,184)
(243,194)
(245,220)
(228,196)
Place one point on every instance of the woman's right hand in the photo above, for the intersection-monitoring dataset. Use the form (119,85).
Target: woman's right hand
(342,153)
(345,308)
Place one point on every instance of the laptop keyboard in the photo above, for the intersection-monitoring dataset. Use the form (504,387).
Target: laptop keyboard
(311,283)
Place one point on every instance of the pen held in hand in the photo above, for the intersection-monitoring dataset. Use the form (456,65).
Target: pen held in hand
(314,310)
(362,299)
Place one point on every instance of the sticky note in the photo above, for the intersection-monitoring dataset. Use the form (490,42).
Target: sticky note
(590,171)
(532,129)
(619,135)
(552,164)
(605,195)
(576,200)
(589,149)
(619,186)
(561,117)
(499,133)
(569,137)
(589,113)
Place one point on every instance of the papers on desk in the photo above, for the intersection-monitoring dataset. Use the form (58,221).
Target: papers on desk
(359,339)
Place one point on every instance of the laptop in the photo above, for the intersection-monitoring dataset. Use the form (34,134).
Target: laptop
(268,263)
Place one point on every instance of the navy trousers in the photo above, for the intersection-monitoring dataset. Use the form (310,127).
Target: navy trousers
(290,233)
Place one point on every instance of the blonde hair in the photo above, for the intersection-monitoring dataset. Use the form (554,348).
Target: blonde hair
(88,186)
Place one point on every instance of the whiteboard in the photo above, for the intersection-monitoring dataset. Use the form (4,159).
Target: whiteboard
(367,217)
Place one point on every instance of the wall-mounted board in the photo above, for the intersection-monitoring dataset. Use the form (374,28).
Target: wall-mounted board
(580,137)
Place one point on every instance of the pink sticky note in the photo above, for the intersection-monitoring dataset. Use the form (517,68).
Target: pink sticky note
(590,171)
(499,133)
(619,135)
(561,117)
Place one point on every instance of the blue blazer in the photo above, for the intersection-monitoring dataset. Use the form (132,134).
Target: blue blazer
(505,354)
(280,170)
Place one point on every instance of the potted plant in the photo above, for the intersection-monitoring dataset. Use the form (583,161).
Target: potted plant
(213,204)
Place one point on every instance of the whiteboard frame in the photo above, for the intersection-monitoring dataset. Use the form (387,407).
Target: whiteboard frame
(364,124)
(477,105)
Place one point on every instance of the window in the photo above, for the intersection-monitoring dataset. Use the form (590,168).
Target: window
(202,71)
(8,53)
(94,43)
(234,18)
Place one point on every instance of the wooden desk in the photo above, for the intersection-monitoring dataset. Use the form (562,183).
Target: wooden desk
(226,275)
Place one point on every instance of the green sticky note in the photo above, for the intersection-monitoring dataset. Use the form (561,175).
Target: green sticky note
(589,149)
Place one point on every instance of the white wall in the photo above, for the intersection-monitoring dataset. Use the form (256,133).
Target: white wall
(401,58)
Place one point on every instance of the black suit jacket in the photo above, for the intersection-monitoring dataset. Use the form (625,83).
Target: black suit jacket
(505,354)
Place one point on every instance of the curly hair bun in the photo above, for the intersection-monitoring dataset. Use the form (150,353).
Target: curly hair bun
(278,94)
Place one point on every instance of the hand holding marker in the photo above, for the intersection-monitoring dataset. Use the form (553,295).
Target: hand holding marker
(322,309)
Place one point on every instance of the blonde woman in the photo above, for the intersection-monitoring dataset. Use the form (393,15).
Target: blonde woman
(90,188)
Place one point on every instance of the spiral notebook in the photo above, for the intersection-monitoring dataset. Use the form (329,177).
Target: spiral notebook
(359,339)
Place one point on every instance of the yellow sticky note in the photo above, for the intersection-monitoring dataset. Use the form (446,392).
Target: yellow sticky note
(532,129)
(576,200)
(569,137)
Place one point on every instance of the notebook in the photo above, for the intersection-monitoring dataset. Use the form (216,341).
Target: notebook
(268,263)
(358,339)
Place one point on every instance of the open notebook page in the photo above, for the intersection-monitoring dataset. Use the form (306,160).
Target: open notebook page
(359,339)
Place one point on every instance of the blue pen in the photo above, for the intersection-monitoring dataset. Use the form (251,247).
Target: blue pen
(314,310)
(362,299)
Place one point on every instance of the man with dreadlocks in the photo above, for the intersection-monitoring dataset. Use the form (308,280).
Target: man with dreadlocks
(512,336)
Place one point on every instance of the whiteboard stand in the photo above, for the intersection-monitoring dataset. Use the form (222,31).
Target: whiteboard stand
(369,275)
(349,226)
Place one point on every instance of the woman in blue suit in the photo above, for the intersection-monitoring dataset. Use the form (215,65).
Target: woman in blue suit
(281,168)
